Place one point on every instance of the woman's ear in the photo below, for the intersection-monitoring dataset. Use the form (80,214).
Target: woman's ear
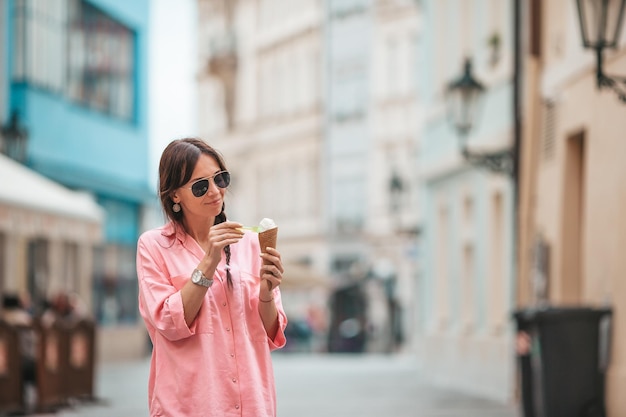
(175,198)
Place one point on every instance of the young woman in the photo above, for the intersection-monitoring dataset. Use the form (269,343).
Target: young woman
(212,308)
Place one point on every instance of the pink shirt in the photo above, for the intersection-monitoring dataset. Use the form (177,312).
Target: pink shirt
(220,365)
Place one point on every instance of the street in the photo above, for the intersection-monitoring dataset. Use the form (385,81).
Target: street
(313,385)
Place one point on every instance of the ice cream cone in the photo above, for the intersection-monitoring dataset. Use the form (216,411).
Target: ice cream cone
(267,238)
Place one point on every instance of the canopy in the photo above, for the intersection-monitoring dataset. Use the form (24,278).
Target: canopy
(23,187)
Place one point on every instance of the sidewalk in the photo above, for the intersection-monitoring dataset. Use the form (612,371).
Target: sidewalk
(369,386)
(312,385)
(121,390)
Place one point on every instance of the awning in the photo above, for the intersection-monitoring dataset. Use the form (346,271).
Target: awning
(101,184)
(23,187)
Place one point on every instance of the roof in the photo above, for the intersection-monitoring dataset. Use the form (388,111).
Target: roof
(23,187)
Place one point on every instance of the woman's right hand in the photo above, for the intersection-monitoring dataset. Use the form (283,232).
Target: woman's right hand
(221,235)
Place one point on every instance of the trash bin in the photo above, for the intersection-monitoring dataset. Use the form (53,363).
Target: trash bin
(563,373)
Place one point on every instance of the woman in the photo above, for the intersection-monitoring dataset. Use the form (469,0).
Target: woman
(212,309)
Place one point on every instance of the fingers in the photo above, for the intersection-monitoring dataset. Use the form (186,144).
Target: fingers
(222,235)
(227,226)
(272,269)
(226,231)
(271,276)
(272,256)
(230,225)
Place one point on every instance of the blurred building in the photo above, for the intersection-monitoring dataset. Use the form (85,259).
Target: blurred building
(47,237)
(572,198)
(467,248)
(371,136)
(75,76)
(320,135)
(260,104)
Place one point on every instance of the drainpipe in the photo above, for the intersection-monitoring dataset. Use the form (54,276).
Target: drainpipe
(517,103)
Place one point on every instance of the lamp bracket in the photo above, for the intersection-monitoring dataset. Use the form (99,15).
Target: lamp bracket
(500,162)
(617,84)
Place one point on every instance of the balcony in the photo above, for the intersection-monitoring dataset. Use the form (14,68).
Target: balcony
(223,55)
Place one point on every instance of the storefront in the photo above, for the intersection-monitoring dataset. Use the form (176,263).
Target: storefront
(47,237)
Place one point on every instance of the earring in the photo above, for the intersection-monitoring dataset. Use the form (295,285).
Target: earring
(176,208)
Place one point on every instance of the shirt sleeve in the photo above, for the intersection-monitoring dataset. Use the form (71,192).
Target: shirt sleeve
(279,340)
(161,303)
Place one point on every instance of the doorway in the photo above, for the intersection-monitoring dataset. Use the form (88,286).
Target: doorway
(572,260)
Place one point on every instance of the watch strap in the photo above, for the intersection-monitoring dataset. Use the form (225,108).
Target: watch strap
(203,281)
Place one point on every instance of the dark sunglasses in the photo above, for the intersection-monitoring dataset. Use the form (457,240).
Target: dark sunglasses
(200,187)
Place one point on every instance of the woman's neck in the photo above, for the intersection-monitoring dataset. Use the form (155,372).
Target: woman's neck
(199,229)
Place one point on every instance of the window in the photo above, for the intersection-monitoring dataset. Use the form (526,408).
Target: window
(71,47)
(100,61)
(115,285)
(497,267)
(535,28)
(38,272)
(70,271)
(442,61)
(441,305)
(2,261)
(392,67)
(467,313)
(38,31)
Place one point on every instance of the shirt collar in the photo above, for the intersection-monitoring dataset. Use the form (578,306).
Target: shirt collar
(172,229)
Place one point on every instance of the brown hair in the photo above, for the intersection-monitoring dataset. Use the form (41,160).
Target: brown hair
(175,169)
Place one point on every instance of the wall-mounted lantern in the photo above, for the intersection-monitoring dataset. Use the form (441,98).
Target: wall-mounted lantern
(464,98)
(396,191)
(601,23)
(14,138)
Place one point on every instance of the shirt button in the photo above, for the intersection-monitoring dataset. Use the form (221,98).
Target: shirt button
(234,379)
(237,406)
(228,329)
(224,303)
(232,355)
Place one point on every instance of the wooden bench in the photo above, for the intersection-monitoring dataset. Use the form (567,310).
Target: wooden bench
(11,383)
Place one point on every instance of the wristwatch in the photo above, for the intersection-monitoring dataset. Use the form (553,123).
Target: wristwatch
(198,278)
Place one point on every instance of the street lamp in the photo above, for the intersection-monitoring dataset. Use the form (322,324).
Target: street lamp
(15,137)
(464,98)
(396,190)
(600,27)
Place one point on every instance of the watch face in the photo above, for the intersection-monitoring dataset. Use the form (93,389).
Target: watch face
(197,277)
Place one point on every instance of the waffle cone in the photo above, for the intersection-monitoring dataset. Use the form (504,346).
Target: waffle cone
(268,238)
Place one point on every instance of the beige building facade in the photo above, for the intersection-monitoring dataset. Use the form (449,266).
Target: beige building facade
(264,101)
(572,228)
(259,97)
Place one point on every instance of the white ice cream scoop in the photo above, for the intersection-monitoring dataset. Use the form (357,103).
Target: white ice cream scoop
(266,224)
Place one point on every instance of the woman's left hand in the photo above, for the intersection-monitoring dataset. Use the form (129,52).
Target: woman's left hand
(271,270)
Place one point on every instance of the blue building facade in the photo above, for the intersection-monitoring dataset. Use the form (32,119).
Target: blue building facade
(76,78)
(467,247)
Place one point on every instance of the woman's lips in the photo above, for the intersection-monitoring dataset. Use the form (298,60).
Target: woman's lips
(215,202)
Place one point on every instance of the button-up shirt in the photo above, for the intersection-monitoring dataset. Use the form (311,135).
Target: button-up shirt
(220,365)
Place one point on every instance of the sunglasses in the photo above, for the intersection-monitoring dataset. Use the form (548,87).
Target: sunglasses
(200,187)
